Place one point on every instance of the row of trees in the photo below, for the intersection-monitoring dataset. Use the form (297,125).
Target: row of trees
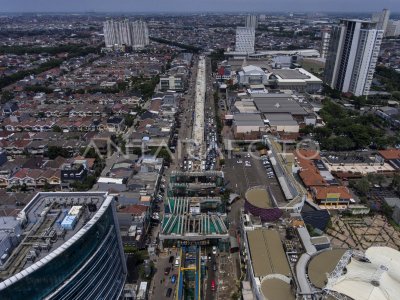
(190,48)
(10,79)
(75,51)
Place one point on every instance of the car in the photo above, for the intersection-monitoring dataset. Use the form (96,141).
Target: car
(173,279)
(247,155)
(215,267)
(171,259)
(240,161)
(213,285)
(214,250)
(167,270)
(168,293)
(177,261)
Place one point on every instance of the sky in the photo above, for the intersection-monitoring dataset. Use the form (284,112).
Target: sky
(182,6)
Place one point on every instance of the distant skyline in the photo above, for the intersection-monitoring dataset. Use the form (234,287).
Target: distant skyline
(182,6)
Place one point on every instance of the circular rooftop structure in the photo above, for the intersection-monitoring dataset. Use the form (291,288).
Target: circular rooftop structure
(259,203)
(276,289)
(258,197)
(322,264)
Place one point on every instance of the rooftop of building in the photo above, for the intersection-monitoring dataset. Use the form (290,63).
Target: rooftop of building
(324,192)
(259,197)
(267,253)
(277,289)
(280,119)
(390,154)
(248,119)
(374,277)
(278,103)
(43,232)
(322,264)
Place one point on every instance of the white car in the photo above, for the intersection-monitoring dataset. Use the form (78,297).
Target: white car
(247,164)
(240,161)
(214,250)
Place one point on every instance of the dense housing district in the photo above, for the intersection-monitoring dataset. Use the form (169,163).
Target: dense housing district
(200,156)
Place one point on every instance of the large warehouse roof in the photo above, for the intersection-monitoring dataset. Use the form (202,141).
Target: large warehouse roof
(267,253)
(378,279)
(278,103)
(248,120)
(283,119)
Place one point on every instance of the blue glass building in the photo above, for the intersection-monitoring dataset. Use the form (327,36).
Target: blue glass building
(86,262)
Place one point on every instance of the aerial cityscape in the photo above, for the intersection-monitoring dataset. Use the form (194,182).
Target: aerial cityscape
(214,150)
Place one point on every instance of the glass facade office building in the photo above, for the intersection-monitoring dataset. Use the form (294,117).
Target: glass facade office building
(90,265)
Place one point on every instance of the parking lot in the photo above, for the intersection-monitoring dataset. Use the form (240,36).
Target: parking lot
(348,157)
(243,172)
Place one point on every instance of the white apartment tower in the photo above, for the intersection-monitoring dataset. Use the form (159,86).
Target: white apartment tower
(118,33)
(352,56)
(245,39)
(393,28)
(251,21)
(381,19)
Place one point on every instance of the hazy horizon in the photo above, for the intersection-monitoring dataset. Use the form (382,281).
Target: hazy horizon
(185,6)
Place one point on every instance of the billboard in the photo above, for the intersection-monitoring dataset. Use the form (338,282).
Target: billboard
(332,196)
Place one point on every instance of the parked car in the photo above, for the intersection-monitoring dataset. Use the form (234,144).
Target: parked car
(171,259)
(167,270)
(173,279)
(168,293)
(214,250)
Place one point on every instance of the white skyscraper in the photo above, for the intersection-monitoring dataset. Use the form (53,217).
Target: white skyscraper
(381,19)
(352,56)
(325,39)
(251,21)
(393,28)
(118,33)
(245,39)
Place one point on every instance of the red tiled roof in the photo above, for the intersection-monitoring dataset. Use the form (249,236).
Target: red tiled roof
(322,192)
(312,178)
(134,209)
(390,154)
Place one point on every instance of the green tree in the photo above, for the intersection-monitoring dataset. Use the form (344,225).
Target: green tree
(129,119)
(361,186)
(54,151)
(6,96)
(57,128)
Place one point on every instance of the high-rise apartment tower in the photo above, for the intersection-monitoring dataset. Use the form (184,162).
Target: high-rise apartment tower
(251,21)
(381,19)
(118,33)
(352,56)
(245,39)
